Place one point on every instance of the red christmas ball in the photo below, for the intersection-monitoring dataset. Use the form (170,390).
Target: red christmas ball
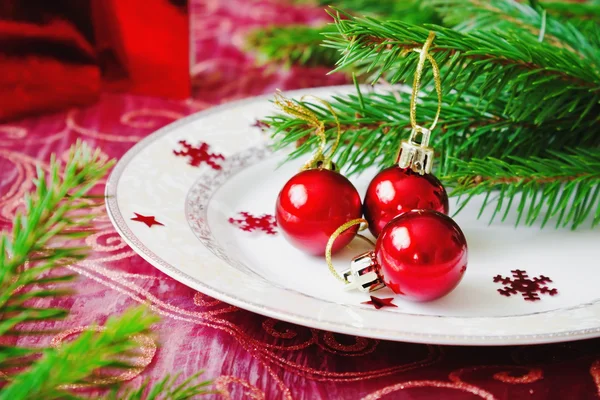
(312,205)
(422,255)
(395,190)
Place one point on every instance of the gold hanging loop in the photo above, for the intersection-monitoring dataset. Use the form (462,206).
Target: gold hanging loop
(304,113)
(412,153)
(343,228)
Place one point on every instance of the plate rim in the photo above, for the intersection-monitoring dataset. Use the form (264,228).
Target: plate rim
(118,221)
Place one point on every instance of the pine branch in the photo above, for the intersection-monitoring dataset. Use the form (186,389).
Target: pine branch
(503,16)
(565,187)
(165,389)
(551,82)
(410,11)
(288,45)
(574,10)
(56,213)
(373,125)
(302,45)
(76,361)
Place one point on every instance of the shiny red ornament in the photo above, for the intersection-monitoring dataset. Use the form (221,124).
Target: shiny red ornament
(312,205)
(421,255)
(396,190)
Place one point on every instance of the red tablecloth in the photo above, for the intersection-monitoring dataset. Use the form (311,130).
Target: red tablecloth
(248,355)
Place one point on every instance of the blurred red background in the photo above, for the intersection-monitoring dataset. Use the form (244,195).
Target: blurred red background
(61,53)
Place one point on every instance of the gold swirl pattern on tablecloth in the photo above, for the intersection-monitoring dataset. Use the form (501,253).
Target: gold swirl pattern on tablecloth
(22,184)
(269,327)
(507,375)
(477,391)
(14,135)
(130,118)
(106,241)
(203,300)
(250,391)
(92,133)
(361,346)
(147,350)
(12,132)
(595,372)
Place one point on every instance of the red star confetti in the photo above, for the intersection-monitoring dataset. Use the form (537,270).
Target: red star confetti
(379,303)
(149,220)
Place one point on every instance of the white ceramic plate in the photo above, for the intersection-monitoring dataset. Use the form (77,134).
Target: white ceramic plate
(260,272)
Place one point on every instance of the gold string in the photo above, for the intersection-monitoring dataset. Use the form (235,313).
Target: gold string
(334,236)
(424,54)
(305,114)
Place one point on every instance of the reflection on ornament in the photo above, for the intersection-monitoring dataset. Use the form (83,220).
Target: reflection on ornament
(249,223)
(521,283)
(199,154)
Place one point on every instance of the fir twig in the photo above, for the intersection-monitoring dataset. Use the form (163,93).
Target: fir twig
(373,125)
(503,16)
(76,361)
(493,65)
(165,389)
(565,187)
(58,211)
(302,45)
(288,45)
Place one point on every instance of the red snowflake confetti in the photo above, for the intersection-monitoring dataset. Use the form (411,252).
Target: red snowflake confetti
(249,223)
(379,303)
(521,283)
(149,220)
(199,154)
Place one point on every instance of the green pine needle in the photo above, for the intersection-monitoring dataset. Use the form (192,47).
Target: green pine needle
(514,67)
(290,45)
(521,86)
(303,45)
(565,186)
(31,256)
(76,361)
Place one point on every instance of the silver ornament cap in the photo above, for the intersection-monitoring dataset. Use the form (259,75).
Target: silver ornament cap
(417,156)
(362,274)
